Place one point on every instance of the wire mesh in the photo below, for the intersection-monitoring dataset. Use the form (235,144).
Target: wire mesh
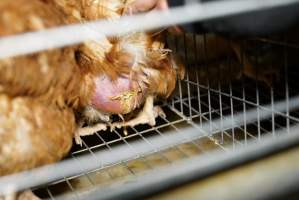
(203,97)
(216,91)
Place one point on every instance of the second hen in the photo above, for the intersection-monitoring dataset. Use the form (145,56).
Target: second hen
(37,120)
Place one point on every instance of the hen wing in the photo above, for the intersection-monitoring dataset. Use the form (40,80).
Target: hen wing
(36,74)
(32,133)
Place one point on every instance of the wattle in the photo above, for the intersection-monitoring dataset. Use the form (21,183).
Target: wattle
(107,95)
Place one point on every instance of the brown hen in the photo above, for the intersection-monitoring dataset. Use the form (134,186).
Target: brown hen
(125,73)
(37,121)
(116,75)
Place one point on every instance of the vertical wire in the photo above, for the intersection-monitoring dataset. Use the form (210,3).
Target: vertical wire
(74,192)
(257,93)
(50,193)
(208,82)
(272,110)
(187,77)
(175,51)
(272,105)
(169,42)
(179,82)
(85,174)
(220,104)
(231,101)
(286,86)
(243,95)
(221,114)
(197,78)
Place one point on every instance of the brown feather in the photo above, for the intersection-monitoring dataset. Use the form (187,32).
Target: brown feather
(37,92)
(37,74)
(32,133)
(43,90)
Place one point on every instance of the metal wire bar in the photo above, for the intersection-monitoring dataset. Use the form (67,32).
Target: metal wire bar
(66,168)
(286,85)
(225,131)
(63,36)
(276,42)
(245,125)
(200,166)
(249,102)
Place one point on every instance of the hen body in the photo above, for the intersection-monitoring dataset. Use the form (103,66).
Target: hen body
(36,117)
(42,93)
(32,133)
(123,71)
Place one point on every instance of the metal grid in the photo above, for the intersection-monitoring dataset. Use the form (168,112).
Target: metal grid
(195,103)
(203,101)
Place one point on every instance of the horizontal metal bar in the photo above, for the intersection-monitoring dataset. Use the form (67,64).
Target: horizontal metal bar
(191,169)
(77,33)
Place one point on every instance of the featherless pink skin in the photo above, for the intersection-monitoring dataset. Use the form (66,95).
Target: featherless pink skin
(116,97)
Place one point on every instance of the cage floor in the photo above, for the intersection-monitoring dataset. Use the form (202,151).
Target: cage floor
(175,121)
(196,102)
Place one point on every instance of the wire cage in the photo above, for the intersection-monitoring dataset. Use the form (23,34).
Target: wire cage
(217,114)
(202,98)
